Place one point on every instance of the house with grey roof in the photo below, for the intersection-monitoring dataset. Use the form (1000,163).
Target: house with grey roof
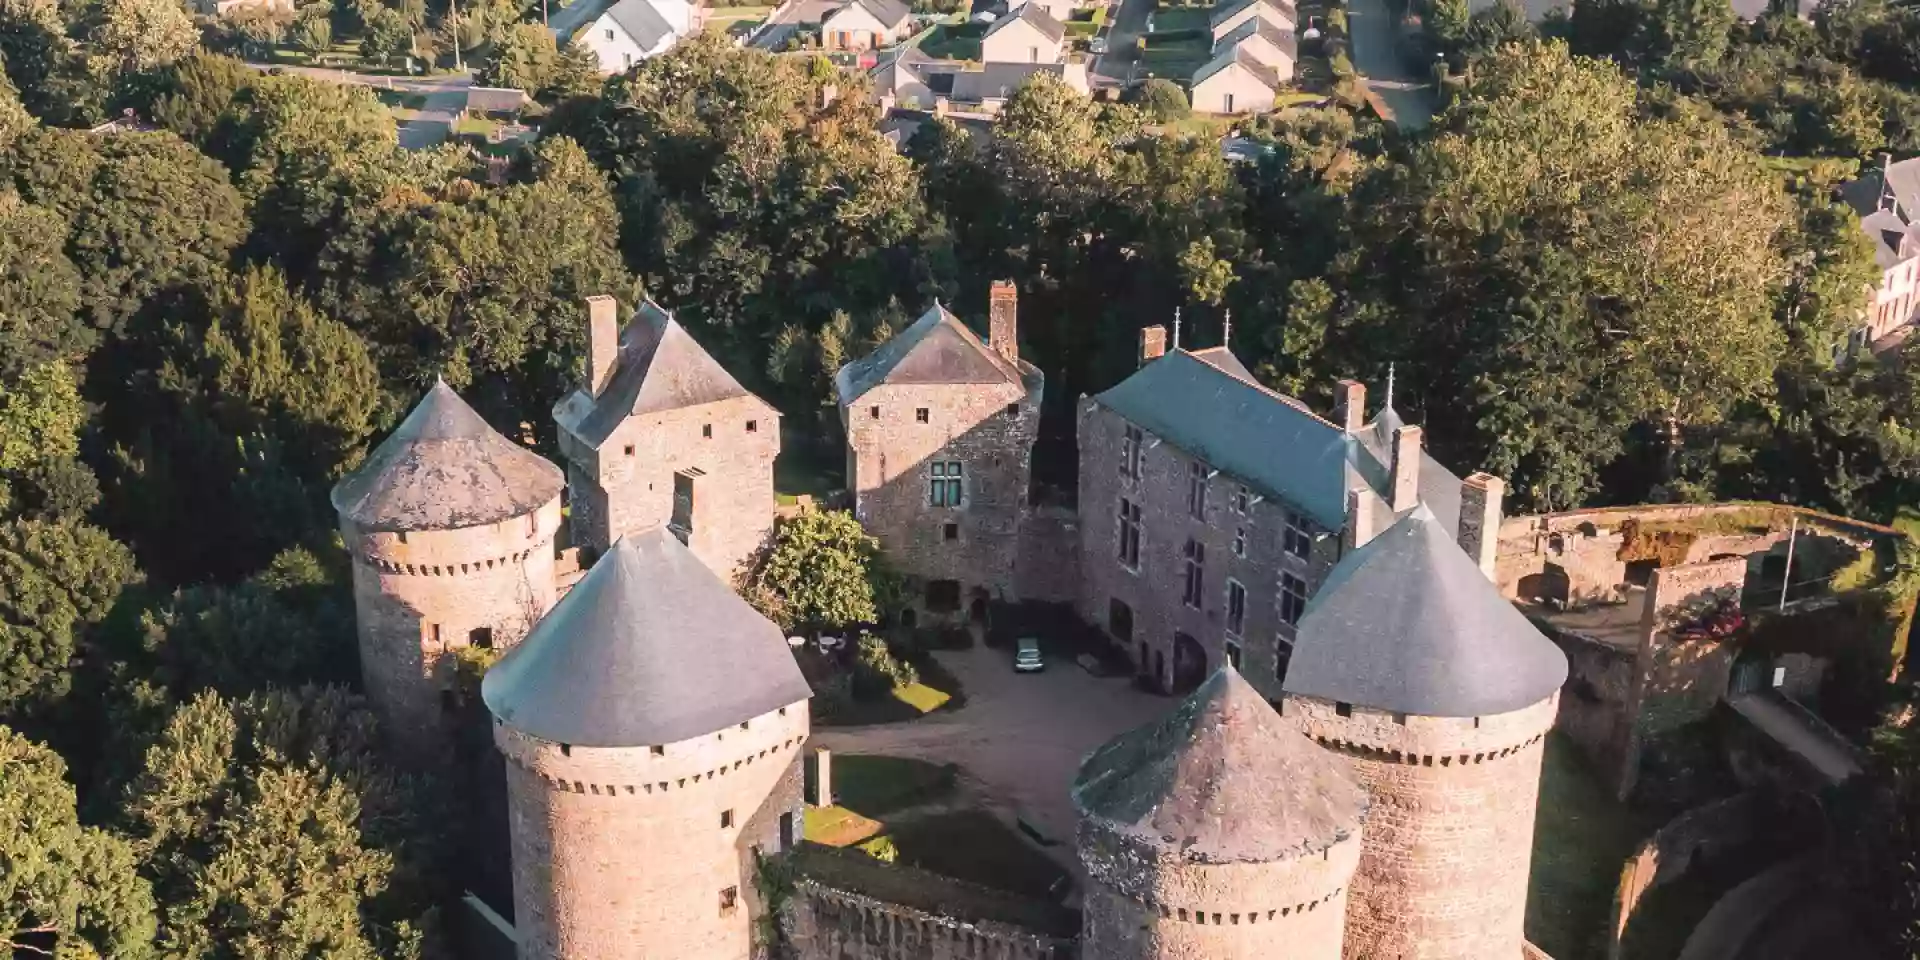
(939,428)
(633,30)
(1887,202)
(1212,509)
(1228,15)
(1027,34)
(1237,81)
(660,434)
(851,25)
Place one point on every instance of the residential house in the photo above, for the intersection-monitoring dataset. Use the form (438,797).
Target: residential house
(1259,38)
(633,30)
(1888,202)
(661,435)
(940,428)
(1212,509)
(1061,10)
(841,24)
(914,80)
(1230,14)
(900,78)
(1027,34)
(994,83)
(1235,81)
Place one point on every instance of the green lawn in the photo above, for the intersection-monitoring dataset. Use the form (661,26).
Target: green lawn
(954,41)
(1582,837)
(836,826)
(1175,59)
(974,846)
(1181,18)
(723,18)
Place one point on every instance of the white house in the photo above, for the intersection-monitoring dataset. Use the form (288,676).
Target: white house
(843,24)
(1028,34)
(1235,82)
(633,30)
(1259,39)
(1228,16)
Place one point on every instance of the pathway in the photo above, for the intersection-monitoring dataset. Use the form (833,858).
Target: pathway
(1791,726)
(1115,68)
(1733,921)
(1376,55)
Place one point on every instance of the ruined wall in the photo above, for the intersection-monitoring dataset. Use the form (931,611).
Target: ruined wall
(1153,592)
(628,483)
(1707,831)
(629,854)
(989,429)
(1596,705)
(1137,909)
(419,596)
(1449,841)
(827,924)
(1683,678)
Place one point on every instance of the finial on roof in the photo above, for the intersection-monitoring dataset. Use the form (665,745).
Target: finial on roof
(1176,328)
(1226,329)
(1389,399)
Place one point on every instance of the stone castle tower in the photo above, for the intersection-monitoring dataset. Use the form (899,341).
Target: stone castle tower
(1440,693)
(662,435)
(653,726)
(1217,833)
(451,529)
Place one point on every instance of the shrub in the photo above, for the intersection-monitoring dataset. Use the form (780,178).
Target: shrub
(876,671)
(1163,100)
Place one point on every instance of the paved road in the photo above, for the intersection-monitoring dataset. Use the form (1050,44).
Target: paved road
(1020,736)
(446,97)
(1376,55)
(1129,21)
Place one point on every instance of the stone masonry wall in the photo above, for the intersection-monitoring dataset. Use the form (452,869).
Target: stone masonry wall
(628,483)
(1449,841)
(828,924)
(1165,910)
(1682,679)
(1048,565)
(890,456)
(421,595)
(1596,704)
(1153,593)
(628,854)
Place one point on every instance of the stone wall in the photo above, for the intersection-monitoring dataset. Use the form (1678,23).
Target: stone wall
(1048,566)
(1706,831)
(827,924)
(727,450)
(419,596)
(1152,594)
(1597,702)
(989,430)
(649,852)
(1448,844)
(1682,678)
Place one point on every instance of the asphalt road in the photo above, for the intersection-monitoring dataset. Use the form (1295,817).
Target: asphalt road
(1129,21)
(1376,55)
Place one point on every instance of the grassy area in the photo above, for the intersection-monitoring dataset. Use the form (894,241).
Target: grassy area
(954,41)
(974,846)
(475,126)
(1581,838)
(400,99)
(910,702)
(836,826)
(723,19)
(1182,18)
(877,786)
(803,467)
(1176,58)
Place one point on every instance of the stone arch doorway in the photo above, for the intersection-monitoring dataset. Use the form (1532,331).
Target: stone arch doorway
(1189,663)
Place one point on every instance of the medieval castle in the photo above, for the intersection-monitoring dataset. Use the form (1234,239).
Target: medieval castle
(1352,773)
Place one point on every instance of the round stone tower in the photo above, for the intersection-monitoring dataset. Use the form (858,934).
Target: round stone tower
(451,529)
(1217,833)
(1440,693)
(653,726)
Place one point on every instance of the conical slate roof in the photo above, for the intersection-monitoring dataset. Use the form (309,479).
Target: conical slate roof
(660,367)
(937,348)
(1408,623)
(1221,779)
(649,648)
(444,468)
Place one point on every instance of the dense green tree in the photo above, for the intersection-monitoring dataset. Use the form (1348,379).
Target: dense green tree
(1687,33)
(57,581)
(65,890)
(821,571)
(388,36)
(39,289)
(525,59)
(135,36)
(1163,100)
(40,416)
(194,96)
(49,70)
(312,34)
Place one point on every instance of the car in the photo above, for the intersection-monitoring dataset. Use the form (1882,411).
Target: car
(1026,656)
(1099,45)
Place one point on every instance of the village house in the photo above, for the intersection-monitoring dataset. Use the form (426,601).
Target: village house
(1230,14)
(1061,10)
(939,429)
(1236,81)
(1027,34)
(661,435)
(915,81)
(633,30)
(850,25)
(1212,508)
(1888,202)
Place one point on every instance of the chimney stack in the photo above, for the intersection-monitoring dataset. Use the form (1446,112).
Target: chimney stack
(1153,343)
(1350,405)
(1403,476)
(1479,533)
(1359,519)
(603,341)
(1003,319)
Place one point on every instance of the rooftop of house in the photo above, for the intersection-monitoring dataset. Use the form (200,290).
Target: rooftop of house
(445,468)
(1284,40)
(642,22)
(1228,9)
(650,648)
(1222,778)
(936,349)
(1240,56)
(1034,15)
(1409,623)
(496,99)
(1208,404)
(660,367)
(999,81)
(892,13)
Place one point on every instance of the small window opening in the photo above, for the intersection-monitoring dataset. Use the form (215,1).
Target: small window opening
(920,414)
(951,531)
(629,449)
(753,426)
(566,749)
(1400,718)
(873,412)
(726,819)
(1013,409)
(403,536)
(481,637)
(659,751)
(729,898)
(1343,709)
(706,430)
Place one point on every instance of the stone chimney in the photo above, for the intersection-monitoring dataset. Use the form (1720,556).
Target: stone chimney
(1153,343)
(1350,405)
(828,94)
(603,341)
(1359,519)
(1003,319)
(1403,475)
(1479,533)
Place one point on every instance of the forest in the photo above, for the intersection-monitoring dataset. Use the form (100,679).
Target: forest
(1613,270)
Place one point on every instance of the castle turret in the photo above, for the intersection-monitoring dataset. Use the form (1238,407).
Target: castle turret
(1217,833)
(652,726)
(1440,693)
(451,529)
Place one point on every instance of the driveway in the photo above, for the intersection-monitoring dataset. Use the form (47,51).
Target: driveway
(1376,56)
(1116,68)
(1021,736)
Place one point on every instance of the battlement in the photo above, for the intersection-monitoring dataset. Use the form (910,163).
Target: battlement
(457,552)
(643,771)
(1420,741)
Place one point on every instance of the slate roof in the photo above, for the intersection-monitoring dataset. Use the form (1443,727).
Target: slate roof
(1268,77)
(1887,201)
(495,99)
(649,648)
(1230,9)
(1439,488)
(889,12)
(937,348)
(1221,779)
(642,22)
(660,368)
(998,80)
(1285,40)
(445,468)
(1034,14)
(1408,623)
